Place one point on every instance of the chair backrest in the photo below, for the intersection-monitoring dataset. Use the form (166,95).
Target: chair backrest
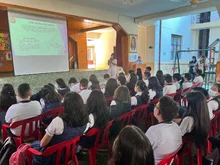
(186,90)
(178,96)
(155,101)
(141,111)
(109,100)
(29,127)
(67,146)
(53,113)
(171,95)
(197,85)
(125,118)
(94,132)
(171,158)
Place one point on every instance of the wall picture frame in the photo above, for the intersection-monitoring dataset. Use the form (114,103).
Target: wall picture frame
(133,43)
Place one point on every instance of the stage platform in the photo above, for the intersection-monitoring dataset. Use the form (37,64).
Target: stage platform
(37,81)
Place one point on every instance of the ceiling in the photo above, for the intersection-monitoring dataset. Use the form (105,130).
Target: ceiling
(139,8)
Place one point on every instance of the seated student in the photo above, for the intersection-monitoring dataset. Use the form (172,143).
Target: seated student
(154,88)
(73,123)
(85,92)
(129,75)
(7,98)
(176,80)
(169,88)
(139,74)
(199,78)
(121,74)
(147,75)
(94,82)
(148,69)
(131,83)
(214,102)
(187,81)
(74,85)
(61,87)
(50,99)
(142,95)
(196,120)
(160,77)
(121,80)
(106,77)
(166,136)
(98,115)
(24,109)
(110,88)
(132,147)
(121,102)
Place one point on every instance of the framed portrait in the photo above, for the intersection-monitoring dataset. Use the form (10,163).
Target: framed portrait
(133,43)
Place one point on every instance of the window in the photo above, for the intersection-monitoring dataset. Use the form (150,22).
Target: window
(176,44)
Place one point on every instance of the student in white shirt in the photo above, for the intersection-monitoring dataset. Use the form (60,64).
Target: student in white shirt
(176,80)
(165,137)
(121,80)
(196,120)
(154,88)
(25,109)
(169,88)
(199,78)
(142,95)
(187,81)
(85,92)
(74,85)
(214,102)
(106,77)
(202,64)
(147,75)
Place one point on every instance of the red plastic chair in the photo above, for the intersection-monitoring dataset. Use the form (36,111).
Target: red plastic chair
(151,115)
(170,159)
(212,132)
(32,132)
(69,147)
(178,96)
(171,95)
(109,100)
(53,113)
(217,115)
(142,112)
(197,85)
(185,92)
(101,140)
(125,119)
(187,149)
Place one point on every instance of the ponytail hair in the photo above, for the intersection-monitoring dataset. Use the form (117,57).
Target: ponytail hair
(145,94)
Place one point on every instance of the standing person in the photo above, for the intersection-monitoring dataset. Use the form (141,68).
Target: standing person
(139,61)
(61,86)
(202,65)
(132,147)
(112,62)
(191,66)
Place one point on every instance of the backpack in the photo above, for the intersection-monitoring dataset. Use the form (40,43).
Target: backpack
(18,157)
(7,150)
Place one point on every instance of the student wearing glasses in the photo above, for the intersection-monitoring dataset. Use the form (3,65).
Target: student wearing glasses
(166,136)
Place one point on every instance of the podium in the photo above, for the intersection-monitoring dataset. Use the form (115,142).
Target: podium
(142,66)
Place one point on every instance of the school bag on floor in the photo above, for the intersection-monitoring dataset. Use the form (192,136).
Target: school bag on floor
(7,150)
(18,157)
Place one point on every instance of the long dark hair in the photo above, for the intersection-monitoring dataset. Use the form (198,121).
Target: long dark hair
(74,114)
(132,147)
(110,87)
(7,97)
(198,110)
(50,95)
(93,79)
(132,81)
(96,105)
(154,84)
(61,83)
(122,94)
(145,94)
(160,77)
(139,73)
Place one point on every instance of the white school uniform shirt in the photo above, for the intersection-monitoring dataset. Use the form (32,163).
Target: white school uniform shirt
(212,106)
(177,84)
(134,101)
(146,82)
(85,95)
(165,139)
(201,66)
(152,94)
(186,125)
(187,84)
(169,89)
(198,79)
(75,88)
(22,111)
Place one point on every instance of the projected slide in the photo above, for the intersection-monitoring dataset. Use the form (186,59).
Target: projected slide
(37,38)
(39,43)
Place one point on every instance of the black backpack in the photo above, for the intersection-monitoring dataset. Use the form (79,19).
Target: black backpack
(7,149)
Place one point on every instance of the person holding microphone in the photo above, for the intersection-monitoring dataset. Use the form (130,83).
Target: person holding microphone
(112,62)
